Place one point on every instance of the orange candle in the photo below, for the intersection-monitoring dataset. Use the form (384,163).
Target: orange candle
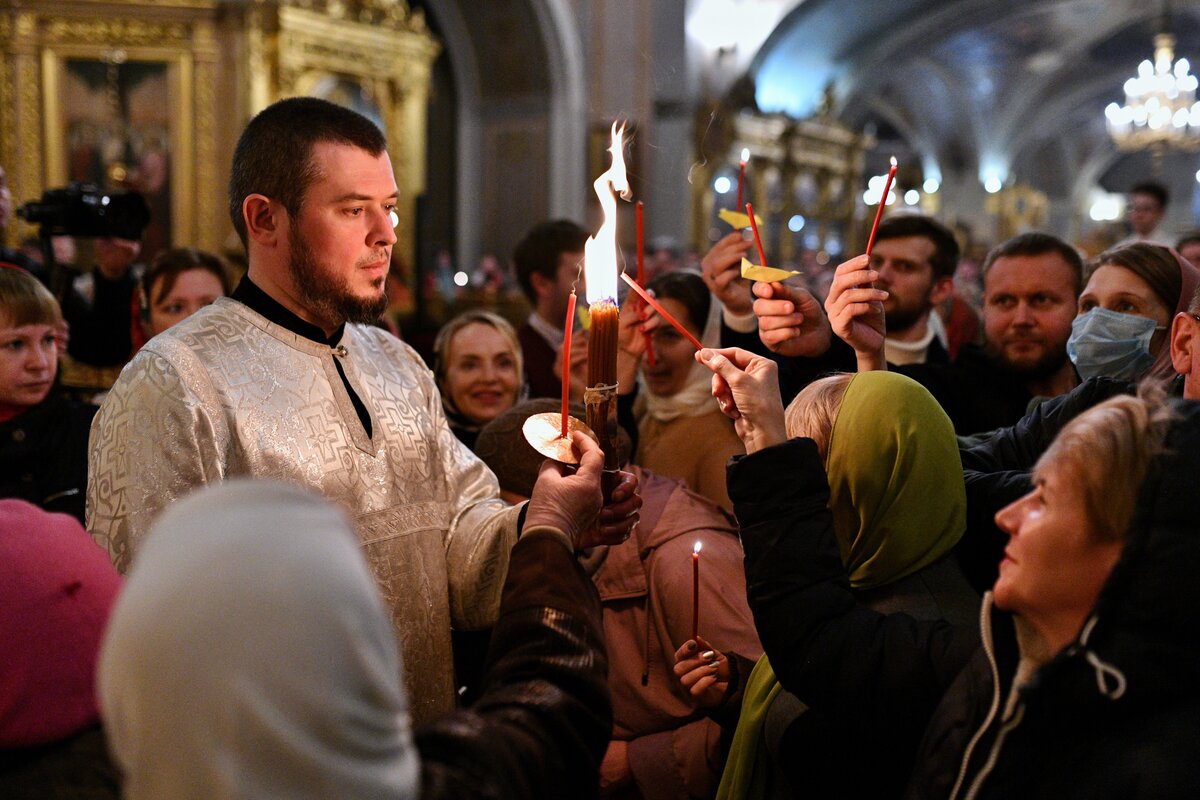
(566,362)
(662,312)
(887,187)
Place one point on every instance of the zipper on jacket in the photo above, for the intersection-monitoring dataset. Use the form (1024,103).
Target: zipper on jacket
(989,649)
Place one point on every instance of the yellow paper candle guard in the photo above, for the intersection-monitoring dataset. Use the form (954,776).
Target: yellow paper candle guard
(737,219)
(765,274)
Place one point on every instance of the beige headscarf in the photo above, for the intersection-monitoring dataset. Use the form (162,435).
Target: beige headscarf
(250,656)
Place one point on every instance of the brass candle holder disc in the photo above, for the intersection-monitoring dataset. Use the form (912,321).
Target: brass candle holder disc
(544,434)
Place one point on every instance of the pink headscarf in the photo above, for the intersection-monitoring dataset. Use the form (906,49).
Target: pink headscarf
(1189,276)
(57,588)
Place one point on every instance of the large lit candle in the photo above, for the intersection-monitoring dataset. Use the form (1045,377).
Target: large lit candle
(600,266)
(887,187)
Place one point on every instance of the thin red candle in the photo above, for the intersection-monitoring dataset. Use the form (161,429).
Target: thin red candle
(741,181)
(762,258)
(887,187)
(566,361)
(641,274)
(662,312)
(696,592)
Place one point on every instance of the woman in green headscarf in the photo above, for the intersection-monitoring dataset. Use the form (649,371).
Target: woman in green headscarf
(899,507)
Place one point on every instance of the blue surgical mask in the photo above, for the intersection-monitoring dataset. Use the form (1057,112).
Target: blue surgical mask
(1108,344)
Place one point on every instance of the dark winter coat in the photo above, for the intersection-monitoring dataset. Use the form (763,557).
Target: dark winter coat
(1116,714)
(43,455)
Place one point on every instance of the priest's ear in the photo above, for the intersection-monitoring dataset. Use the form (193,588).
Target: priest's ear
(263,220)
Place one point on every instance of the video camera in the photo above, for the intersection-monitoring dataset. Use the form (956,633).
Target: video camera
(83,209)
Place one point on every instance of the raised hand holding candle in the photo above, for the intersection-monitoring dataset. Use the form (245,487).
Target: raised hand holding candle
(696,592)
(662,312)
(887,187)
(566,362)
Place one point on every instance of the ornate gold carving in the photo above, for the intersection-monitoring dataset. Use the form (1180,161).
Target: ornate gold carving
(7,140)
(392,14)
(207,233)
(170,4)
(28,168)
(26,25)
(120,32)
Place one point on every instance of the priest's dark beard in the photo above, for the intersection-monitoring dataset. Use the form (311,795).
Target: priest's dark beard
(325,294)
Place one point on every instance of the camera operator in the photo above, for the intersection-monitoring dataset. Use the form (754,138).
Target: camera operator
(98,305)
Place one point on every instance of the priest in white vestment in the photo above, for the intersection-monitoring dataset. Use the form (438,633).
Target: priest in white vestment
(284,380)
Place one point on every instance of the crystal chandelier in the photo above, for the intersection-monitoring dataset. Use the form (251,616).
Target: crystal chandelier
(1160,107)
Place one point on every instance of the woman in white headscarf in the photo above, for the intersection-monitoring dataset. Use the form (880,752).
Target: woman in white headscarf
(251,656)
(681,432)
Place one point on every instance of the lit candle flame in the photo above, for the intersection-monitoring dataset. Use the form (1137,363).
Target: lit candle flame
(696,549)
(893,161)
(600,251)
(745,154)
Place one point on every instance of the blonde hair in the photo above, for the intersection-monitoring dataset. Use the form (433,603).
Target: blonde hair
(441,345)
(1108,450)
(24,301)
(814,410)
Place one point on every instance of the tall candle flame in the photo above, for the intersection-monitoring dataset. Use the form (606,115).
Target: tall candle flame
(893,161)
(600,251)
(696,549)
(745,154)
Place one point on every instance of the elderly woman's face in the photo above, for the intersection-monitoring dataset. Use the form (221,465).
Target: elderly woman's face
(1054,565)
(481,373)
